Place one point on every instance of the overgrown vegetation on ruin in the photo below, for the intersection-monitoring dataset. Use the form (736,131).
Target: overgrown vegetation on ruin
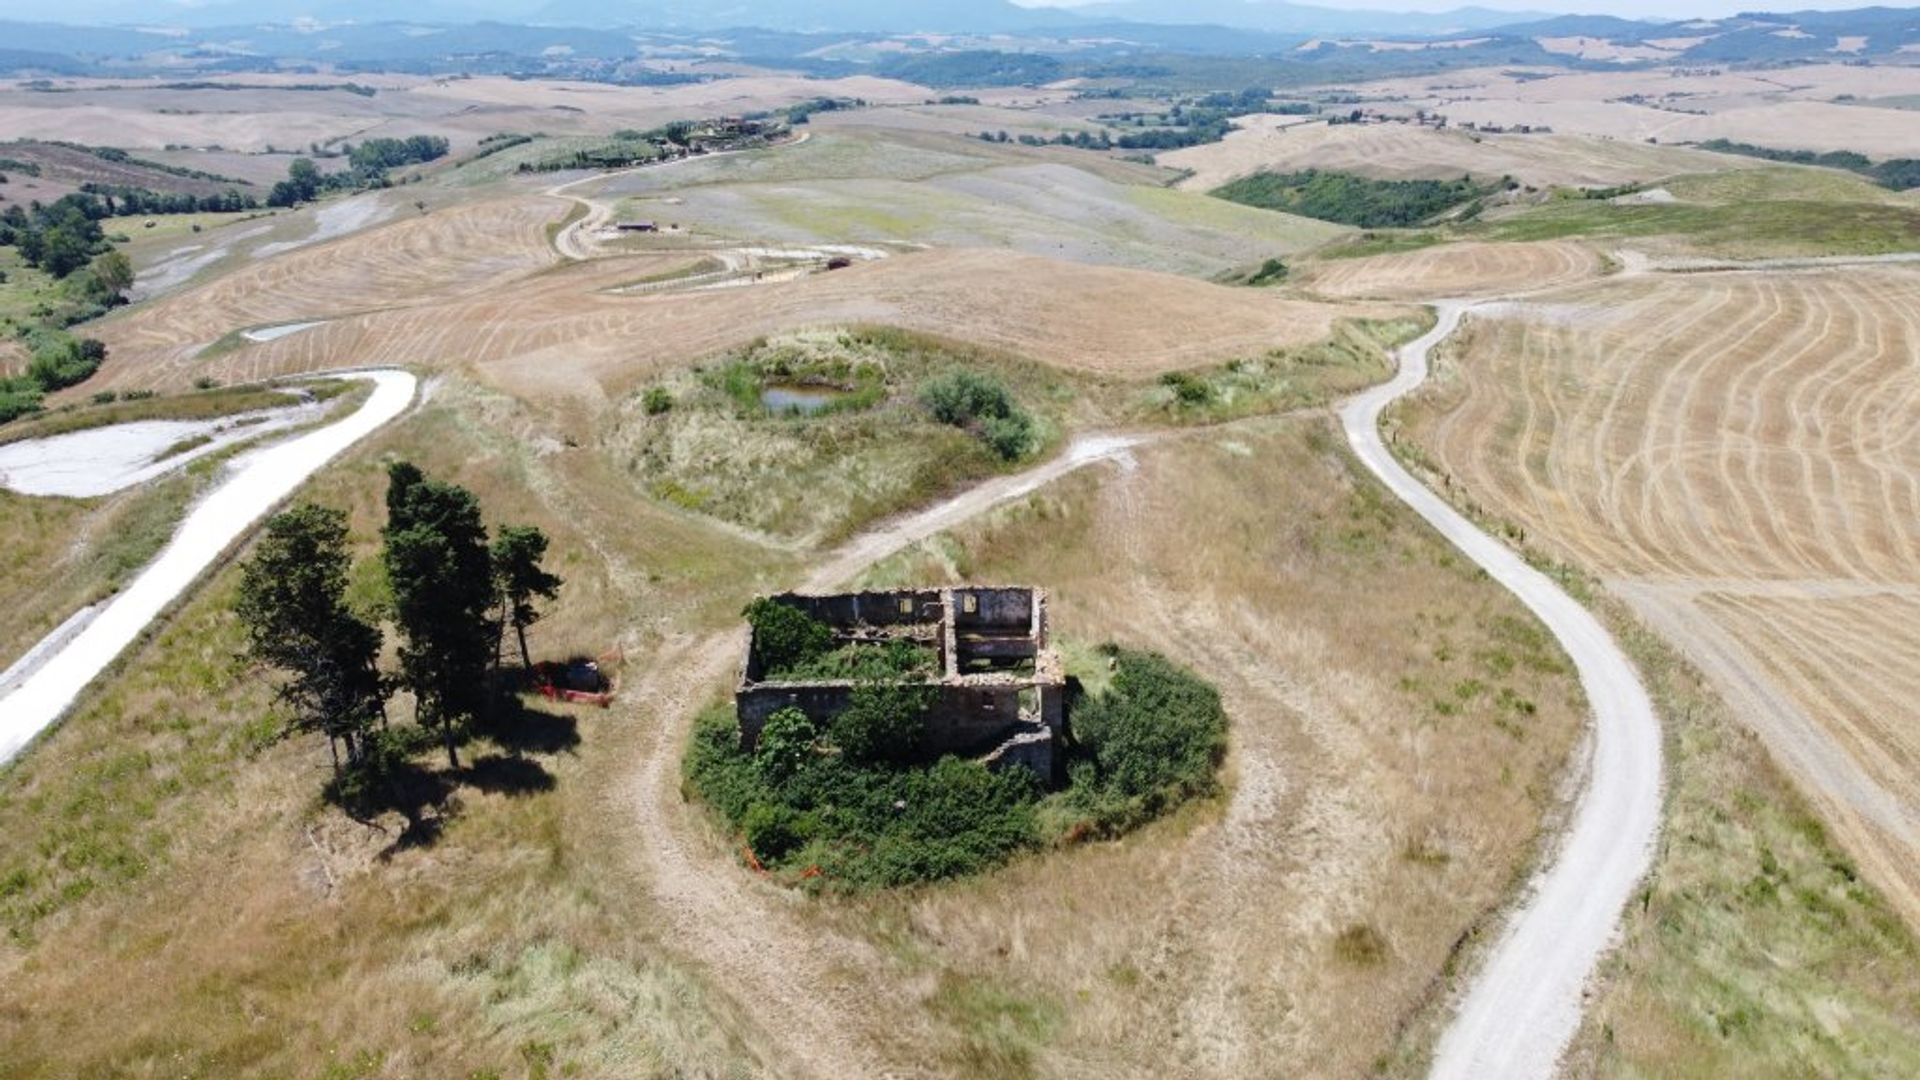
(856,806)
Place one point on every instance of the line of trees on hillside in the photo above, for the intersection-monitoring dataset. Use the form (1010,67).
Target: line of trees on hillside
(455,592)
(1899,174)
(369,163)
(122,200)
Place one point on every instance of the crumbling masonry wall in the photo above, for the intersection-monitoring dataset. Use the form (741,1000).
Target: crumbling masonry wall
(1000,695)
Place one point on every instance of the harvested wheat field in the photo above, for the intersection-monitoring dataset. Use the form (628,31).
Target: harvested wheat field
(1735,453)
(1455,270)
(422,258)
(560,335)
(1407,152)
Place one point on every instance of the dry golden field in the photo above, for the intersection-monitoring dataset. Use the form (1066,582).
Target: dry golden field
(1675,106)
(1455,271)
(1407,152)
(559,332)
(137,116)
(1733,452)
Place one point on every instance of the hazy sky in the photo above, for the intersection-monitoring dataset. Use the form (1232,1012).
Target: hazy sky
(1629,9)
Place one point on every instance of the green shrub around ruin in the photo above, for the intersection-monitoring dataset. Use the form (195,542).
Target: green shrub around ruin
(851,805)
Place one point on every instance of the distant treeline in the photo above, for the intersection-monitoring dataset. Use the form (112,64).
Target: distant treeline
(1192,123)
(376,155)
(370,162)
(121,157)
(1349,199)
(42,87)
(1898,174)
(121,200)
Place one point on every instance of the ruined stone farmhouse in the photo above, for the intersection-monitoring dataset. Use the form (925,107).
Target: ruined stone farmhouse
(1000,690)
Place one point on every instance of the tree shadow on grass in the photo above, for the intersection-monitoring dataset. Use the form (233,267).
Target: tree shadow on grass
(417,792)
(511,776)
(517,728)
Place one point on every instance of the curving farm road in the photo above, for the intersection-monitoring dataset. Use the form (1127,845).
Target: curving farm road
(259,482)
(1524,1004)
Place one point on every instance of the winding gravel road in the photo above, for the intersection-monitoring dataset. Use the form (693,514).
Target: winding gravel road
(1524,1004)
(260,480)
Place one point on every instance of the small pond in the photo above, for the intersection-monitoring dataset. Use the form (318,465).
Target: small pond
(803,398)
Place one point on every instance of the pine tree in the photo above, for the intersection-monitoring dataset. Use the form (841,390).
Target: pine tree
(292,602)
(441,573)
(517,552)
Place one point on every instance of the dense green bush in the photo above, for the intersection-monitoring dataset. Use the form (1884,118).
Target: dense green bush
(867,661)
(1350,199)
(1153,740)
(18,397)
(856,802)
(981,404)
(864,826)
(1188,388)
(60,360)
(883,722)
(786,637)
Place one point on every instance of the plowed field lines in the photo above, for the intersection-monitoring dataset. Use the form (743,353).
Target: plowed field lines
(1456,270)
(1740,454)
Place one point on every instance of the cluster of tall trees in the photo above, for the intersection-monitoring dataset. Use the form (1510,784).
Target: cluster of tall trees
(455,592)
(59,237)
(369,164)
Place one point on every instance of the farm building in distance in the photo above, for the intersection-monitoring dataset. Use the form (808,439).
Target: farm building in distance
(1000,691)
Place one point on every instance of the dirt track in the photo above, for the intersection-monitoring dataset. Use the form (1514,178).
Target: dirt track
(748,933)
(1524,1006)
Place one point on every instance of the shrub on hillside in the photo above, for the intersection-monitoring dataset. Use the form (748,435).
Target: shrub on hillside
(984,406)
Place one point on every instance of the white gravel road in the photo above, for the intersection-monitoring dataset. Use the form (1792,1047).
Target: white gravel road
(1523,1006)
(258,482)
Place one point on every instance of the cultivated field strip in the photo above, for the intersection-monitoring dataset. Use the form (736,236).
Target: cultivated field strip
(1720,425)
(1739,454)
(1844,659)
(562,334)
(1456,270)
(1405,151)
(425,257)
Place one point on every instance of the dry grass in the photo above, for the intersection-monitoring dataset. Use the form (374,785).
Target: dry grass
(63,554)
(557,335)
(1455,270)
(1755,948)
(1386,773)
(159,819)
